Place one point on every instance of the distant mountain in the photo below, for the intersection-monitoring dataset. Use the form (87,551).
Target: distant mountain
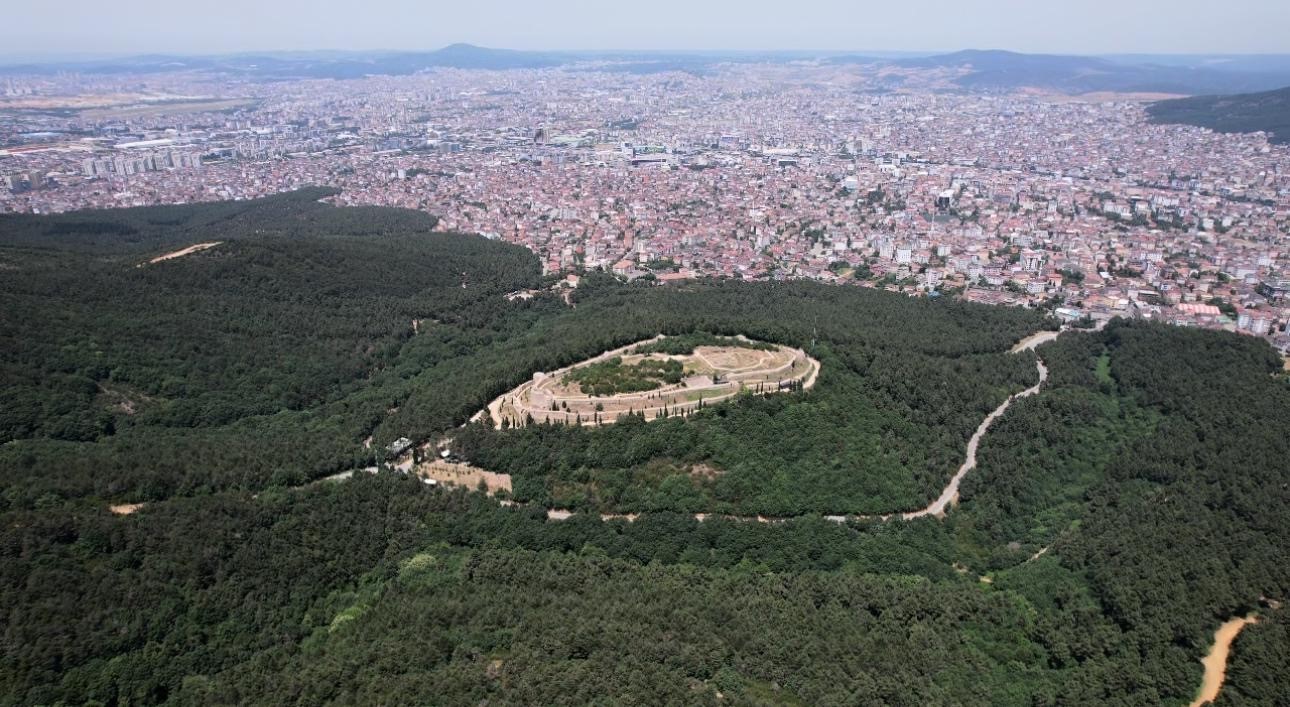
(1268,111)
(989,70)
(339,65)
(1003,70)
(469,56)
(1254,63)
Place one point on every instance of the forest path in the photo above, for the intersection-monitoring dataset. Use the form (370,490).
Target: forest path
(1215,661)
(948,496)
(937,508)
(182,252)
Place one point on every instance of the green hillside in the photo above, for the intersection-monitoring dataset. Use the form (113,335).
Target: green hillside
(1243,113)
(1114,520)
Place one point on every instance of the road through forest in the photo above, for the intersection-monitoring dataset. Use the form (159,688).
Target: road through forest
(937,507)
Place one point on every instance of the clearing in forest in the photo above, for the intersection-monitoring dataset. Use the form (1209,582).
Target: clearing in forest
(657,378)
(1215,661)
(184,251)
(463,475)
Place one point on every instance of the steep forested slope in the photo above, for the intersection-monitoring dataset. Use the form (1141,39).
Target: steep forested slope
(274,355)
(255,357)
(1154,470)
(1119,515)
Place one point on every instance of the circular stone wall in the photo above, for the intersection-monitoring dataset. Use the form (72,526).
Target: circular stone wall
(711,374)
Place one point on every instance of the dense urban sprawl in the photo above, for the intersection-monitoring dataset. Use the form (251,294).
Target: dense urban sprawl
(754,171)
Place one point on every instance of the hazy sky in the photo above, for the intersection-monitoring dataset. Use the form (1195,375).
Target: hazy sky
(1057,26)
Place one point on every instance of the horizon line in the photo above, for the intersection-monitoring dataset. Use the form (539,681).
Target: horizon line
(73,56)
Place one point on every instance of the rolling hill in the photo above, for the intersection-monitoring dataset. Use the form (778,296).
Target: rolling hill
(1003,70)
(1115,517)
(1268,111)
(288,65)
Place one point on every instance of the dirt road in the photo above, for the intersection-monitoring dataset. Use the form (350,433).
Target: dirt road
(949,495)
(183,251)
(1216,662)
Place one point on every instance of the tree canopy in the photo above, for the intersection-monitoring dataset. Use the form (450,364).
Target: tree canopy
(1113,520)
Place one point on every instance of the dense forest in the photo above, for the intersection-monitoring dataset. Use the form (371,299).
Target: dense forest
(1114,520)
(1255,672)
(268,357)
(275,355)
(883,430)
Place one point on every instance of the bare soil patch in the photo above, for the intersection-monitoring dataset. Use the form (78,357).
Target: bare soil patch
(464,475)
(170,107)
(121,398)
(705,471)
(1216,662)
(1035,339)
(184,251)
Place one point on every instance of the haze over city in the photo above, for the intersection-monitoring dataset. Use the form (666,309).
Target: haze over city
(1087,27)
